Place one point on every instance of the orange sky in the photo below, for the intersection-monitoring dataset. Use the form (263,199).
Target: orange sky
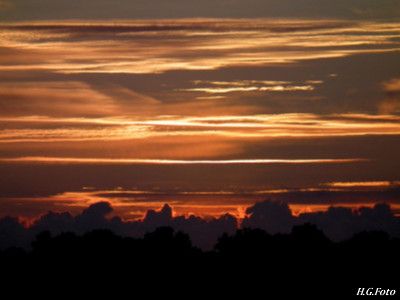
(209,115)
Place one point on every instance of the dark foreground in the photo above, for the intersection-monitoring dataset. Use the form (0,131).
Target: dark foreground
(251,264)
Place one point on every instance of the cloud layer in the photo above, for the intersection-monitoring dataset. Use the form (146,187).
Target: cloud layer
(210,115)
(338,223)
(125,9)
(141,47)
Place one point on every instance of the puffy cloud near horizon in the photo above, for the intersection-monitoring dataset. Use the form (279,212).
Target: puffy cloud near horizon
(338,223)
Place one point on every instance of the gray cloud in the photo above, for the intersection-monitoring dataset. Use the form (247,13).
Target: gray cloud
(92,9)
(338,223)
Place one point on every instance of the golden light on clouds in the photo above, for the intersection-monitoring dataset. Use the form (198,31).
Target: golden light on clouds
(57,129)
(392,86)
(75,160)
(220,87)
(363,184)
(209,115)
(140,47)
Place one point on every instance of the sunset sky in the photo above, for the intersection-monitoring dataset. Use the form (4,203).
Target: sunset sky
(209,106)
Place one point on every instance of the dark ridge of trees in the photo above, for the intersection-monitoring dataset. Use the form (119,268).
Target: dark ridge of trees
(105,247)
(274,253)
(303,262)
(246,243)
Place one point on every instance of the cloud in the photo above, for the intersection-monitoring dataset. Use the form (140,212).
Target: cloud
(391,104)
(68,98)
(12,233)
(96,216)
(221,87)
(363,184)
(104,102)
(270,216)
(337,222)
(5,5)
(205,201)
(228,130)
(53,98)
(133,161)
(392,86)
(149,47)
(341,223)
(125,9)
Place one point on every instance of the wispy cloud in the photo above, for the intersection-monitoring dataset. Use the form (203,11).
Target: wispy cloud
(363,184)
(133,203)
(140,47)
(288,105)
(58,129)
(391,103)
(224,87)
(119,161)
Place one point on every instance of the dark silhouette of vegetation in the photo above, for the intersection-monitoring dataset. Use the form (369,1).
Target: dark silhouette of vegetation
(304,258)
(337,223)
(274,252)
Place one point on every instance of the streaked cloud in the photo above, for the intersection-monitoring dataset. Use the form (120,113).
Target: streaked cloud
(223,87)
(133,204)
(256,127)
(364,184)
(119,161)
(208,115)
(139,9)
(52,98)
(150,47)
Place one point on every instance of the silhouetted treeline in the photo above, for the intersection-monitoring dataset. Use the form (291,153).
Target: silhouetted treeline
(338,223)
(305,255)
(273,252)
(305,241)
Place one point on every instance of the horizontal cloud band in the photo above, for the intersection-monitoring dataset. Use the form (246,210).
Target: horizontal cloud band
(75,160)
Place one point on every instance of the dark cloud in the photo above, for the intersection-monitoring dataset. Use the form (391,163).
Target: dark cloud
(204,233)
(77,30)
(12,233)
(342,223)
(273,217)
(89,9)
(327,197)
(338,223)
(360,84)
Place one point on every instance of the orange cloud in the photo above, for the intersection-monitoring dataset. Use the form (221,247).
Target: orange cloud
(5,5)
(68,98)
(392,86)
(77,160)
(223,126)
(150,47)
(391,104)
(220,87)
(368,184)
